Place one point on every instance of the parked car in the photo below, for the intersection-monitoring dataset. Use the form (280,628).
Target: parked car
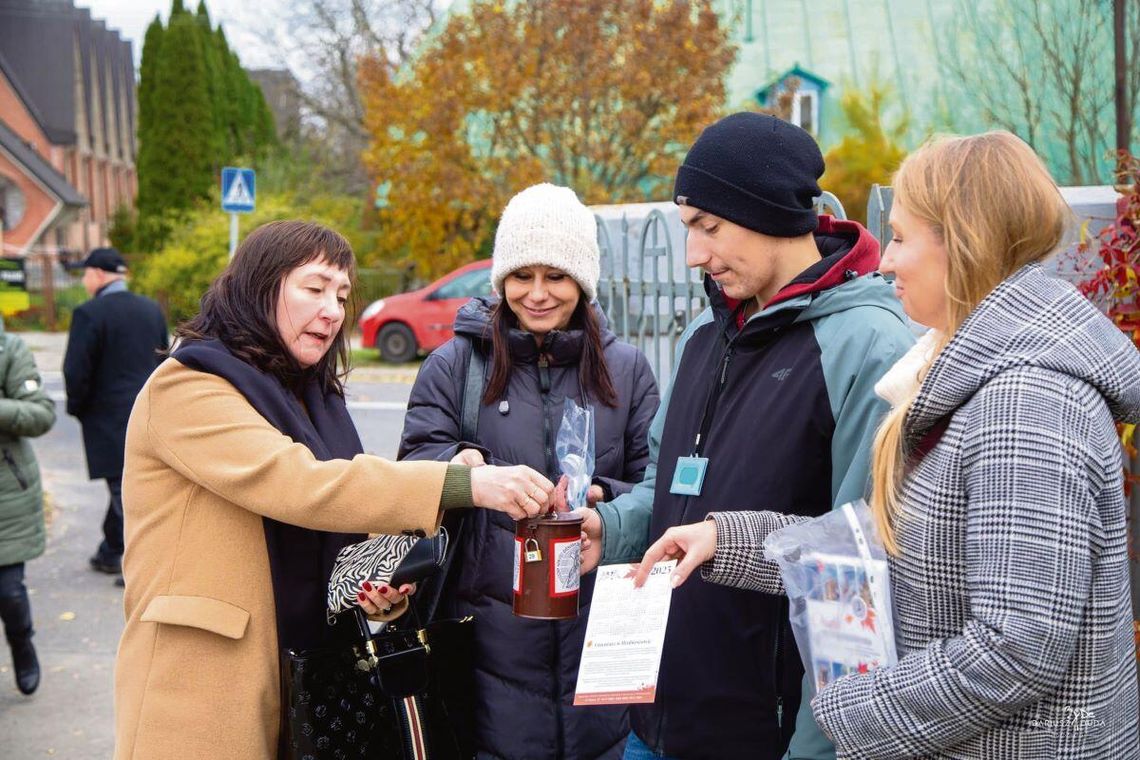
(402,325)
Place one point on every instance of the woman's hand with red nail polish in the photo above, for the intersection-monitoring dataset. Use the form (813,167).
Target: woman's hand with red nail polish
(379,600)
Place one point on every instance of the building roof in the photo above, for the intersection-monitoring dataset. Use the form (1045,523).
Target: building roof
(799,73)
(40,39)
(13,81)
(40,170)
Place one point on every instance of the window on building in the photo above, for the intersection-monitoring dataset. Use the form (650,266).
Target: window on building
(805,110)
(11,204)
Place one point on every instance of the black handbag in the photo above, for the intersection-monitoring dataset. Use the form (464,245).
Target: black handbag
(400,694)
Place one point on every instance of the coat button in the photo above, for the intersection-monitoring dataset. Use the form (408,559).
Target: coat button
(504,407)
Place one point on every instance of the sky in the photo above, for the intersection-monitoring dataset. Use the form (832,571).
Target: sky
(131,18)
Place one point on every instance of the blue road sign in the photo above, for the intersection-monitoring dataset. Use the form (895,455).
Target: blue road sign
(239,190)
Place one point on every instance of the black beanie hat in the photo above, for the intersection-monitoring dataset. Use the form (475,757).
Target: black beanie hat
(755,170)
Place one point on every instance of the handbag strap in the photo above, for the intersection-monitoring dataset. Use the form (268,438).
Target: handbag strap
(472,393)
(468,429)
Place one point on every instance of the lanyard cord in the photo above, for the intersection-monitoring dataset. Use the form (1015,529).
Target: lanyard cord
(718,385)
(711,402)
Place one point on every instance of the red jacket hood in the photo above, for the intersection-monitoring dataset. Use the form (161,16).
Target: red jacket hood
(852,250)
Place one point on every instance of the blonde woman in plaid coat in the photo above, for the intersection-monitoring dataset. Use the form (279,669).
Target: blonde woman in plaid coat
(997,487)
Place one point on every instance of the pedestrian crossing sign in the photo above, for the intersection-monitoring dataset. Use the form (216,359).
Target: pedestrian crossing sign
(238,190)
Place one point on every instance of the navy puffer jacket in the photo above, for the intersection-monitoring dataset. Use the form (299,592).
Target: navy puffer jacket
(526,669)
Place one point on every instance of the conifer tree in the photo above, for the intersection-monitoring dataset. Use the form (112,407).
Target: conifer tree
(198,111)
(215,86)
(229,81)
(152,47)
(174,162)
(265,127)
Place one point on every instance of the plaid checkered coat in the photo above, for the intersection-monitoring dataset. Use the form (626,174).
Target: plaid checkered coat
(1011,587)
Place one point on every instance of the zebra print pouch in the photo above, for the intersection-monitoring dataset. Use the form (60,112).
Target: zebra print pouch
(391,560)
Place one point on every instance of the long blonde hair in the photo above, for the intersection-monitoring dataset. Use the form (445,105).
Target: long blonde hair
(994,205)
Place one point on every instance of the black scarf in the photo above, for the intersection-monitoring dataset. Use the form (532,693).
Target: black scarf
(300,560)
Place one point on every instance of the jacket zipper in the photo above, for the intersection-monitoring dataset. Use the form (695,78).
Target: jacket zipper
(11,460)
(777,666)
(724,365)
(659,740)
(556,684)
(544,387)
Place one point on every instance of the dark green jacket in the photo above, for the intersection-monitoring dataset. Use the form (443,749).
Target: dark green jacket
(25,411)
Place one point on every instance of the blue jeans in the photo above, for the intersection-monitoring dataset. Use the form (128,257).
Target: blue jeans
(635,749)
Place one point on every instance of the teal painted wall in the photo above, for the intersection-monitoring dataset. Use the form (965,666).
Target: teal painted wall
(900,43)
(849,43)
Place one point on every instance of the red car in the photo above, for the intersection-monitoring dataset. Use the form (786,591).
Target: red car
(405,324)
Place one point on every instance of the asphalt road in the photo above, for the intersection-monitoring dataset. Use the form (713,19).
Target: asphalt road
(78,613)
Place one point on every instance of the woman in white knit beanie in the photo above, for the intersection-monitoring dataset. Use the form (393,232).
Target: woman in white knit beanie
(543,341)
(545,269)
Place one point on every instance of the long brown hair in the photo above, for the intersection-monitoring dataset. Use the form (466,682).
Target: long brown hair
(992,202)
(240,307)
(593,372)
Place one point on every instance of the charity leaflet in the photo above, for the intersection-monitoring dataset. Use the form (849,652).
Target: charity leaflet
(625,635)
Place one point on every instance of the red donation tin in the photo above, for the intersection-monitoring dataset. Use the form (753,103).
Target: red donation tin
(548,552)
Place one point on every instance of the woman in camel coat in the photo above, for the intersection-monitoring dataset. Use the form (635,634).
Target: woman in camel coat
(244,477)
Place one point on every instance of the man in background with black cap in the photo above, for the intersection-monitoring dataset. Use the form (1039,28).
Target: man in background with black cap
(769,419)
(112,348)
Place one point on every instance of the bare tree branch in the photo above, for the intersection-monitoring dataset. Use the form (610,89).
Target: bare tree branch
(321,42)
(1039,70)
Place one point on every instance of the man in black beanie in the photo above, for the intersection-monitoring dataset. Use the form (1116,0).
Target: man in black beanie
(773,418)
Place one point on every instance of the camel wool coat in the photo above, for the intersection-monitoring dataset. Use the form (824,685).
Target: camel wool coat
(197,674)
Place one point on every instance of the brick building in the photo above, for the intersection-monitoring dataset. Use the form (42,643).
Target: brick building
(67,127)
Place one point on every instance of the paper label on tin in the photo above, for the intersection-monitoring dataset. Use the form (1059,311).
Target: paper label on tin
(565,560)
(517,582)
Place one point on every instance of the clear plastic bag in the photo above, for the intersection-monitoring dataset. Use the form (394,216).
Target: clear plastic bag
(574,448)
(837,579)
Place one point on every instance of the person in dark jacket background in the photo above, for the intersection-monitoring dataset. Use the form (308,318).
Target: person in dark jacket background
(26,411)
(113,346)
(544,341)
(773,397)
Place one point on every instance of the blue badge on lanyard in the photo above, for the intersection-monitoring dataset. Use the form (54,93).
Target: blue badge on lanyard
(689,476)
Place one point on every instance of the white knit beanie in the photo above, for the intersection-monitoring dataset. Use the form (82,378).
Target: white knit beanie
(548,225)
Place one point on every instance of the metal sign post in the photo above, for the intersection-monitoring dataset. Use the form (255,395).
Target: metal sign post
(239,192)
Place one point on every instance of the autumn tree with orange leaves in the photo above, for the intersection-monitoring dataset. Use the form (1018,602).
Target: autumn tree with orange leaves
(603,96)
